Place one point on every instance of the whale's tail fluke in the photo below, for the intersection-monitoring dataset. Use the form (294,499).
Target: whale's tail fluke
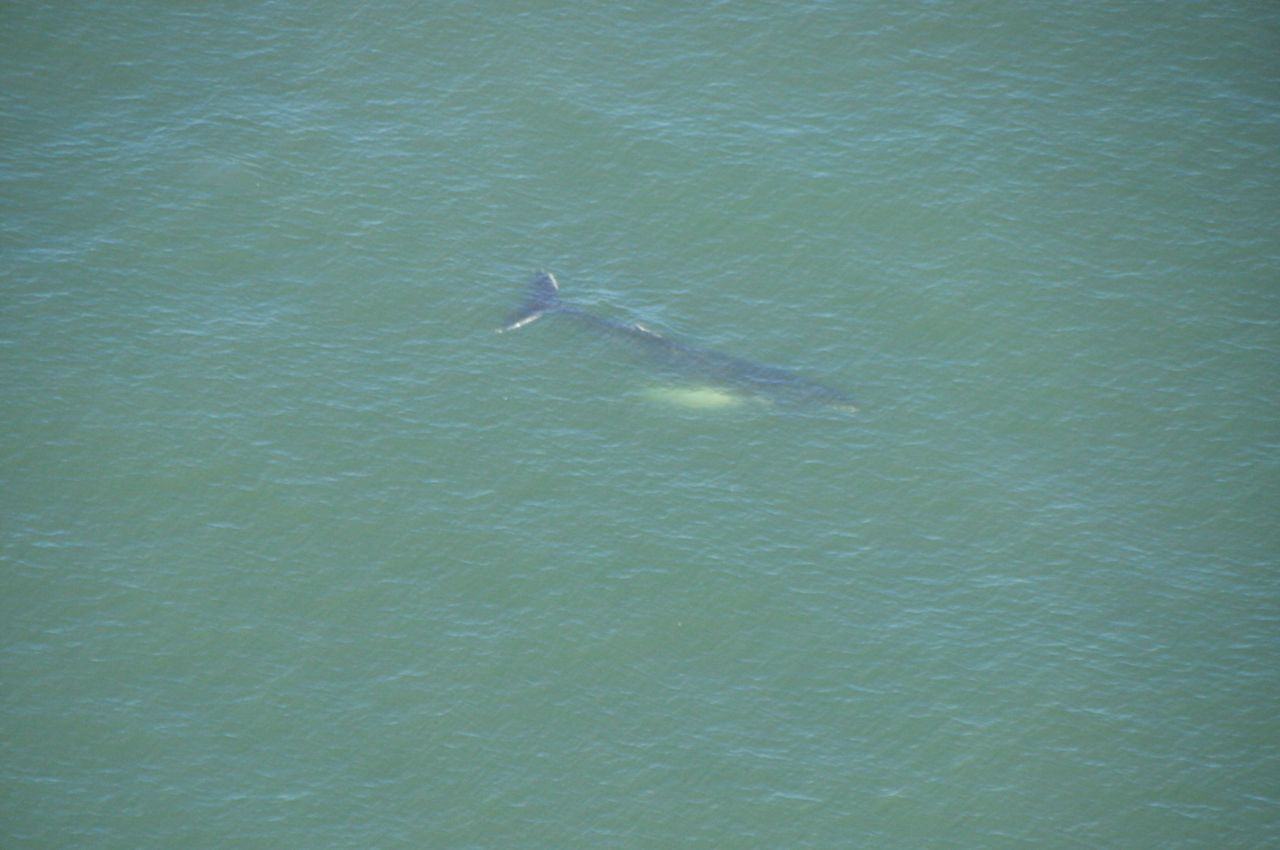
(544,297)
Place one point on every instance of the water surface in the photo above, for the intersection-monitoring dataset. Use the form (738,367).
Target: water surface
(299,553)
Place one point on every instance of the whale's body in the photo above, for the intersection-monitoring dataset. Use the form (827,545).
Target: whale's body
(733,374)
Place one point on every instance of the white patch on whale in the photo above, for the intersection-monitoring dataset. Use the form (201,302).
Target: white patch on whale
(696,397)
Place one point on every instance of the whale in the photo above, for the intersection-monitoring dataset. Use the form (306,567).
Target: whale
(715,377)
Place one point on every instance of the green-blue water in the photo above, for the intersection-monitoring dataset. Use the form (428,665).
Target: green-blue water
(298,553)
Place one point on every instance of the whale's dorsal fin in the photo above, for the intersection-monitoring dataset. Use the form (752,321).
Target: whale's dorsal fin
(544,296)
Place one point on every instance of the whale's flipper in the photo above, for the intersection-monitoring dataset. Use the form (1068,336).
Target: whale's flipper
(544,297)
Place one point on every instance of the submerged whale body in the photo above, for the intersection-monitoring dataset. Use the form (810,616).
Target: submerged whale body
(733,374)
